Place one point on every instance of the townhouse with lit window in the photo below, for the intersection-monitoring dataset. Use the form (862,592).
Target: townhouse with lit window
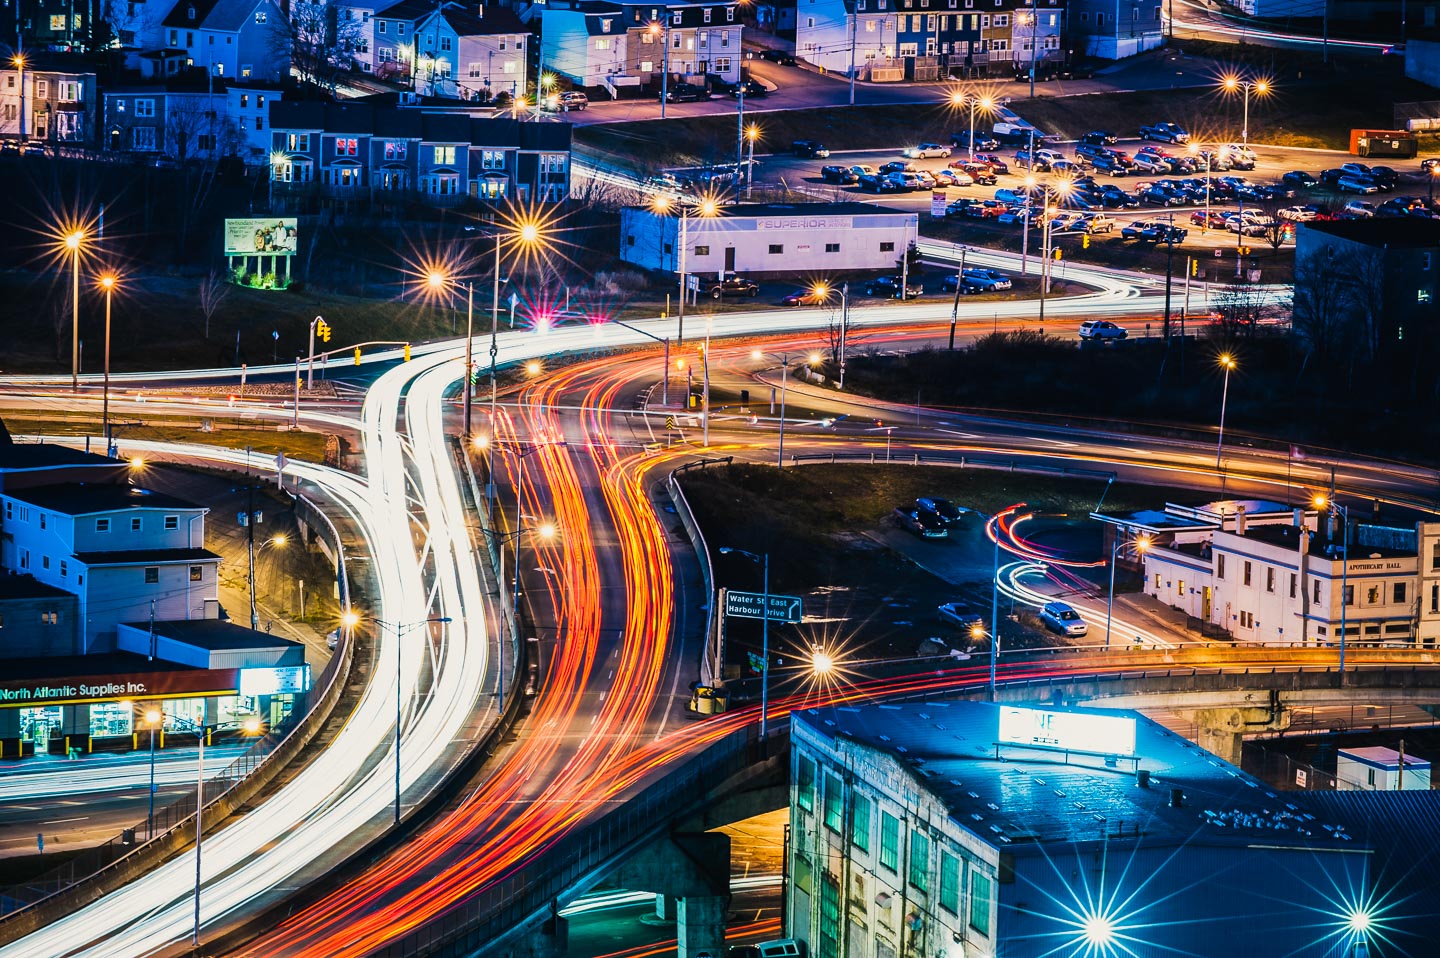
(357,151)
(393,36)
(596,43)
(176,119)
(471,56)
(892,40)
(230,38)
(48,101)
(124,551)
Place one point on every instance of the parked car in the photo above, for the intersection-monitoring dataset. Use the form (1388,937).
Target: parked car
(1299,180)
(926,151)
(1213,219)
(1102,329)
(1061,618)
(1248,223)
(864,170)
(922,522)
(778,56)
(943,508)
(988,280)
(1384,174)
(889,286)
(752,89)
(1166,132)
(966,616)
(684,92)
(1354,169)
(1357,184)
(1097,223)
(951,282)
(875,183)
(666,183)
(805,297)
(839,175)
(951,178)
(1358,209)
(906,181)
(1298,214)
(983,140)
(733,286)
(983,209)
(809,149)
(1100,138)
(997,165)
(1151,160)
(567,101)
(1110,164)
(897,166)
(1158,195)
(1113,197)
(978,172)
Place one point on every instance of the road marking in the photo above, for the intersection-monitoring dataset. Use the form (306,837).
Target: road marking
(962,435)
(62,821)
(1053,442)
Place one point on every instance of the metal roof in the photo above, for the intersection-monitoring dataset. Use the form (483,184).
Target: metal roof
(83,498)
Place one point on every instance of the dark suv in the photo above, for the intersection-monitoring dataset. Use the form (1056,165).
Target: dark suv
(809,149)
(732,286)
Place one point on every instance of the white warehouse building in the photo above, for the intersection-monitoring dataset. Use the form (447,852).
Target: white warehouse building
(811,238)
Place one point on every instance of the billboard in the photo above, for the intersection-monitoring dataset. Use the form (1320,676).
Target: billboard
(1067,731)
(272,236)
(27,693)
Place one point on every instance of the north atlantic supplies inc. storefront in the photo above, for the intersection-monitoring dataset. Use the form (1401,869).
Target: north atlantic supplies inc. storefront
(101,702)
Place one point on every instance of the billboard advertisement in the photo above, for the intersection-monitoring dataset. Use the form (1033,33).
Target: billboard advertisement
(272,236)
(1067,731)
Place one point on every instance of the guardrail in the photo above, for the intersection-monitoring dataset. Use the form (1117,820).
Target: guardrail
(509,903)
(99,870)
(963,462)
(702,552)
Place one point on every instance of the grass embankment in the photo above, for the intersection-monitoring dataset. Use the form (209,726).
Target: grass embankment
(297,444)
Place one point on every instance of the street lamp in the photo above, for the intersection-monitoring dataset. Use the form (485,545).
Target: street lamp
(1195,153)
(400,629)
(1061,190)
(107,283)
(251,726)
(1260,87)
(73,241)
(985,104)
(752,133)
(1141,544)
(438,281)
(153,718)
(276,540)
(1227,362)
(1333,509)
(18,61)
(763,560)
(662,30)
(784,379)
(707,207)
(821,292)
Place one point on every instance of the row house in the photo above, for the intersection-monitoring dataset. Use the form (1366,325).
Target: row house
(355,151)
(920,39)
(49,102)
(596,43)
(244,39)
(184,123)
(470,56)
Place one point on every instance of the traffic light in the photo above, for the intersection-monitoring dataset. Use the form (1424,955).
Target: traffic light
(407,352)
(474,373)
(1244,251)
(322,329)
(1085,241)
(1057,254)
(1194,267)
(357,355)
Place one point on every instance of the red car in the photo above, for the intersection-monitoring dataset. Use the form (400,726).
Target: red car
(1216,217)
(996,164)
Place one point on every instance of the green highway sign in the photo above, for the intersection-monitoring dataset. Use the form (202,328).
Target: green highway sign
(748,605)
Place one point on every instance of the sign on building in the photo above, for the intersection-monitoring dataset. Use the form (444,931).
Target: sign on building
(937,204)
(748,605)
(275,680)
(1067,731)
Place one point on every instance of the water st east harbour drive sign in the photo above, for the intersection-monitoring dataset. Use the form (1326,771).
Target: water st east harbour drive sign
(748,605)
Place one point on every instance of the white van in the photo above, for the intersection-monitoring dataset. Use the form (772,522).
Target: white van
(779,948)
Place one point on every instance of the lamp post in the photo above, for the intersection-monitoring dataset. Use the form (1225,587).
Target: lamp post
(251,726)
(1259,87)
(438,281)
(752,133)
(663,340)
(1141,544)
(1061,189)
(153,718)
(707,207)
(277,540)
(1195,152)
(107,283)
(73,242)
(18,61)
(1034,31)
(763,560)
(662,30)
(401,629)
(1334,508)
(984,103)
(1227,362)
(784,379)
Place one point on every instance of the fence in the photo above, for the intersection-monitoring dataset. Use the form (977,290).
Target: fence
(708,671)
(105,866)
(510,902)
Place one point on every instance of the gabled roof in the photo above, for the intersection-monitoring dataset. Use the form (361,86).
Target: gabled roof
(493,20)
(409,10)
(231,15)
(189,14)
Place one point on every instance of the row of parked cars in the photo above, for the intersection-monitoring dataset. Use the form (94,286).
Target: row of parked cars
(970,281)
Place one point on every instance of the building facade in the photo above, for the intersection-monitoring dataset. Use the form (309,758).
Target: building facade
(471,56)
(393,43)
(243,39)
(813,238)
(247,106)
(927,39)
(176,120)
(962,828)
(356,151)
(48,103)
(1112,30)
(597,43)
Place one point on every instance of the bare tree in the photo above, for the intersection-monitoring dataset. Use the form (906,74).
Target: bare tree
(213,290)
(1322,307)
(317,39)
(1365,271)
(1238,307)
(1275,230)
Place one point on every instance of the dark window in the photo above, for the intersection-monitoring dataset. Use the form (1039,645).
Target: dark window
(777,249)
(702,251)
(134,525)
(1219,566)
(195,572)
(1292,585)
(102,525)
(1399,593)
(832,247)
(152,575)
(887,247)
(1269,579)
(172,522)
(1246,573)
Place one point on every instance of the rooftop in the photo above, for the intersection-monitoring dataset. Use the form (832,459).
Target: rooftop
(1382,757)
(18,456)
(216,635)
(83,498)
(783,210)
(1397,231)
(138,556)
(67,668)
(29,587)
(1029,798)
(1287,536)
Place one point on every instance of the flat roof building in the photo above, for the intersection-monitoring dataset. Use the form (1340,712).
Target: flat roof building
(970,829)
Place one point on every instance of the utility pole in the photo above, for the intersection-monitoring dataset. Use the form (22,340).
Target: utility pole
(740,134)
(959,288)
(1169,262)
(854,29)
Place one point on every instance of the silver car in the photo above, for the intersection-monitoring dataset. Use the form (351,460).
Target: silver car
(1059,617)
